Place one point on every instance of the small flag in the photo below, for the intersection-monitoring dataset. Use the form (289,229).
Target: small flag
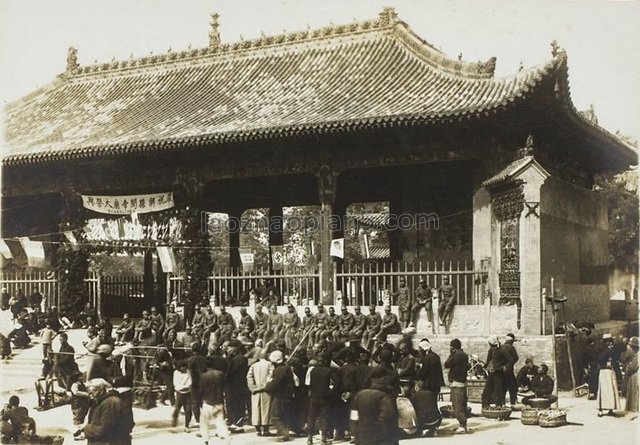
(4,250)
(107,231)
(337,248)
(167,259)
(277,258)
(122,232)
(72,239)
(34,251)
(247,260)
(312,259)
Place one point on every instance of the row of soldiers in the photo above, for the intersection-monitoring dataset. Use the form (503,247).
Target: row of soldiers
(152,328)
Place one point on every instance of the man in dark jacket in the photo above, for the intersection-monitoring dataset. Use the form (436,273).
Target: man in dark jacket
(458,366)
(281,389)
(429,381)
(323,380)
(106,424)
(510,383)
(211,392)
(377,413)
(237,390)
(497,361)
(65,365)
(542,386)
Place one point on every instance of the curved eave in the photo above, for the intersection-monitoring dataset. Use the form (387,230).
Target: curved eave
(336,127)
(625,153)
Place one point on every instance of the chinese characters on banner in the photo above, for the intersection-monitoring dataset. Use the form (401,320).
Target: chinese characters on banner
(125,205)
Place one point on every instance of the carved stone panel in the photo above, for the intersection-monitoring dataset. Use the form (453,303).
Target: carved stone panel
(507,207)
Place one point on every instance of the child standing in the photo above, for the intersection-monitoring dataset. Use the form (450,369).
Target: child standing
(182,386)
(46,335)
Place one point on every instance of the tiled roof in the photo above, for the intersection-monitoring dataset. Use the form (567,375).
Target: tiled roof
(341,78)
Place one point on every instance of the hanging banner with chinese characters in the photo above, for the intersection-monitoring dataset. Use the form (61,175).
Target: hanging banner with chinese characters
(125,205)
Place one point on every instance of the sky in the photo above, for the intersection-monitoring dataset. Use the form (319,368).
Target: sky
(600,37)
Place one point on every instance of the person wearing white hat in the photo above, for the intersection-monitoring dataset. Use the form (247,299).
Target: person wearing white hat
(281,388)
(429,381)
(497,361)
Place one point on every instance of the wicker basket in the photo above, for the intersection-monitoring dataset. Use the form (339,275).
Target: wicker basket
(57,440)
(552,418)
(540,403)
(502,413)
(530,416)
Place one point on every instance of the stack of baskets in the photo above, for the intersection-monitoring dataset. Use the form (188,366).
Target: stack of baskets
(553,418)
(530,416)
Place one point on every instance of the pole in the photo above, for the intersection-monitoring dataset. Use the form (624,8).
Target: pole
(553,340)
(304,337)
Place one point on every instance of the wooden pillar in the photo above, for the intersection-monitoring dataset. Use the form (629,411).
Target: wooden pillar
(327,178)
(235,216)
(148,276)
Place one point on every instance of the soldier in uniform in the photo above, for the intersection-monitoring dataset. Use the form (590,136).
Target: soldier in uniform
(292,323)
(157,323)
(209,325)
(197,324)
(359,323)
(307,323)
(226,325)
(172,323)
(390,323)
(143,327)
(447,296)
(403,298)
(345,322)
(125,331)
(332,324)
(260,322)
(373,325)
(423,300)
(321,322)
(246,324)
(274,324)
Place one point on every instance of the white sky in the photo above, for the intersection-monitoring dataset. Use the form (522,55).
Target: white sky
(601,37)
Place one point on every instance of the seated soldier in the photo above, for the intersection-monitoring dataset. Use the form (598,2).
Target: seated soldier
(88,316)
(16,422)
(260,322)
(125,331)
(542,386)
(143,329)
(172,323)
(226,325)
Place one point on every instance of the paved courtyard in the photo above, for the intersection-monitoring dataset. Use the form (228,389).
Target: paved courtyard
(154,426)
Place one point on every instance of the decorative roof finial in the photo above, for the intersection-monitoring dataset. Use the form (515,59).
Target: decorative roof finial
(521,66)
(72,60)
(459,56)
(388,16)
(214,33)
(555,49)
(527,150)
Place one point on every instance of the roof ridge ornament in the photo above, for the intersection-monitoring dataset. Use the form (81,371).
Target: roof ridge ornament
(527,150)
(388,16)
(72,60)
(488,67)
(214,33)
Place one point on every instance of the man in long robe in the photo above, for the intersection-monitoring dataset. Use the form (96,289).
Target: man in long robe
(257,378)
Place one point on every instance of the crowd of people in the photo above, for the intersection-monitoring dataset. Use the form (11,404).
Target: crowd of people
(336,375)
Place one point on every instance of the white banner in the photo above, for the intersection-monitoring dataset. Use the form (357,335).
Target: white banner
(34,251)
(125,205)
(4,250)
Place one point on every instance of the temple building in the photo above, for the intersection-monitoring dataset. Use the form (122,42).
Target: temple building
(355,113)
